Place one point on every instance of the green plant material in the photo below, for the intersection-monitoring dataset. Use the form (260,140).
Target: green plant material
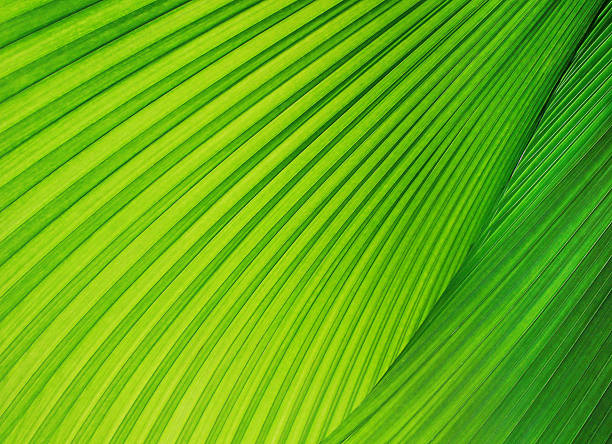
(519,348)
(266,221)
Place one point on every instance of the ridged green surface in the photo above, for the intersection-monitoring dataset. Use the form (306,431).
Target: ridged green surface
(519,348)
(295,221)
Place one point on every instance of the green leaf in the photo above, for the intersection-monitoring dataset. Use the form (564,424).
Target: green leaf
(265,221)
(518,350)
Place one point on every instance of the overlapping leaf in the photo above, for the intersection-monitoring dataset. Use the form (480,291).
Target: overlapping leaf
(519,348)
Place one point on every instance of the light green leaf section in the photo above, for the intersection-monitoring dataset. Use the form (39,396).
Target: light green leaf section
(519,348)
(226,221)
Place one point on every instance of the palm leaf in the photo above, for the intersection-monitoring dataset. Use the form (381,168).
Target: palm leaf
(518,350)
(265,221)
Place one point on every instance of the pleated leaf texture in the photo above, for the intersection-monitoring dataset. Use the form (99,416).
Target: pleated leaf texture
(302,221)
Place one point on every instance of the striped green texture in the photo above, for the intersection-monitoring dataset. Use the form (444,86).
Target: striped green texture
(519,348)
(305,220)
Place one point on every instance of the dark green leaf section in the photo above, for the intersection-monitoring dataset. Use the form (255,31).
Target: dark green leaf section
(519,348)
(222,221)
